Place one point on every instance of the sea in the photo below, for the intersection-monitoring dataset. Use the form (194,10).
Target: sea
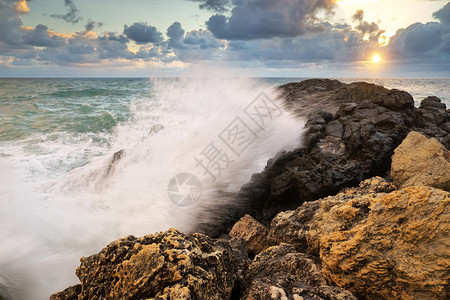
(85,161)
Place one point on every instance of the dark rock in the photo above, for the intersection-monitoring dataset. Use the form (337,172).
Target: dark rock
(166,265)
(432,119)
(352,131)
(282,273)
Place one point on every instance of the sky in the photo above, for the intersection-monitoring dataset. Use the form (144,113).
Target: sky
(270,38)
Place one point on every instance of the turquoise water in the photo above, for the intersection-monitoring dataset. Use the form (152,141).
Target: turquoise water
(55,125)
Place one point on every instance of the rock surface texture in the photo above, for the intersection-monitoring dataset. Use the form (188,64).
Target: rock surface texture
(385,246)
(282,273)
(167,265)
(421,161)
(252,232)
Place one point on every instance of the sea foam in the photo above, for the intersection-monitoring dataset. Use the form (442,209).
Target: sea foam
(47,225)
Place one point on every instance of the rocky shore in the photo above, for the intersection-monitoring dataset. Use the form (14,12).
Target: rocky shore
(361,211)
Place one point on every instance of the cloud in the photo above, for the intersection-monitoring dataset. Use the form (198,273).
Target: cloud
(204,39)
(264,19)
(72,15)
(11,22)
(443,15)
(90,25)
(40,37)
(416,39)
(112,46)
(363,26)
(214,5)
(336,45)
(194,45)
(176,35)
(358,16)
(142,33)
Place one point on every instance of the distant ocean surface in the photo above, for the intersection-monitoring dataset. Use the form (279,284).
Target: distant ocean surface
(55,125)
(61,200)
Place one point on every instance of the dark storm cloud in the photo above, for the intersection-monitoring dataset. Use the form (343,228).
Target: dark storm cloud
(332,46)
(176,35)
(443,15)
(72,15)
(10,23)
(418,38)
(214,5)
(40,37)
(142,33)
(264,19)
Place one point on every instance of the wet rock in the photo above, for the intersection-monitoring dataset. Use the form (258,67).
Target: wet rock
(421,161)
(433,120)
(252,232)
(281,273)
(352,140)
(385,246)
(166,265)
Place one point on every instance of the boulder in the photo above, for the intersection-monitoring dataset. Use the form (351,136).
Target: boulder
(282,273)
(252,232)
(166,265)
(385,246)
(421,161)
(293,226)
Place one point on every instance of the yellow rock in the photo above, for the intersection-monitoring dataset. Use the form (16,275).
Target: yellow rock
(398,248)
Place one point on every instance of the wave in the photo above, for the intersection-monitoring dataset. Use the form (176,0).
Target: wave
(216,127)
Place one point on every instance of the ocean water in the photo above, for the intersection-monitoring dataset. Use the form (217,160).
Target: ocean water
(63,195)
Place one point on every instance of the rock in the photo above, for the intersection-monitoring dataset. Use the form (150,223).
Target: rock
(352,131)
(421,161)
(252,232)
(281,273)
(370,131)
(433,120)
(385,246)
(71,293)
(292,226)
(166,265)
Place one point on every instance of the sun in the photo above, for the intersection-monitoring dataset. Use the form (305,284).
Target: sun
(376,58)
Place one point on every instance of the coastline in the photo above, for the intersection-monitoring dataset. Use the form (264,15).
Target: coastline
(296,235)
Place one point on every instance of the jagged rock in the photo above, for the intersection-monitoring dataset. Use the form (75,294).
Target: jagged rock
(421,161)
(166,265)
(252,232)
(385,246)
(433,120)
(292,226)
(281,273)
(352,131)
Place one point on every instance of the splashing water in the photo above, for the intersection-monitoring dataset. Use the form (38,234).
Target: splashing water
(46,225)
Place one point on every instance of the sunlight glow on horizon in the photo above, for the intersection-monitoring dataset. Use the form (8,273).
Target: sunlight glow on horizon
(376,58)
